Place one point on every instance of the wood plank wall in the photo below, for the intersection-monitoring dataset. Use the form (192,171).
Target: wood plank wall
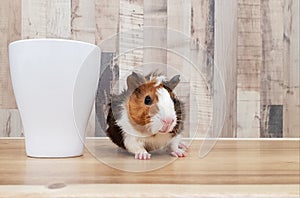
(254,43)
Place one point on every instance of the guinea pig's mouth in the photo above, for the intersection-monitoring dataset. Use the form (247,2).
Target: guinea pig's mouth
(166,129)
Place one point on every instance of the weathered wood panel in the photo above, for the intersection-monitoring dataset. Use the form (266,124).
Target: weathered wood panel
(10,30)
(108,79)
(179,24)
(202,34)
(131,22)
(255,44)
(107,26)
(83,28)
(10,123)
(41,19)
(225,56)
(291,83)
(249,61)
(83,21)
(202,53)
(107,20)
(271,92)
(155,36)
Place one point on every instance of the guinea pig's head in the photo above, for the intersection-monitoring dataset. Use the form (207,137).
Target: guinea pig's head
(151,104)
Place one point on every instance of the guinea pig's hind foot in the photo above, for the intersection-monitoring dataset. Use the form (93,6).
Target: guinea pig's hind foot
(178,153)
(143,155)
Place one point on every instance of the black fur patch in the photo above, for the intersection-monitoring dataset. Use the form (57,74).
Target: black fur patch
(114,132)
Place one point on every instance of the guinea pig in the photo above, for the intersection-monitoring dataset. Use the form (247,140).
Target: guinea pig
(147,116)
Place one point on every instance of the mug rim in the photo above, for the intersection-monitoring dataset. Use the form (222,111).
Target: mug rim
(50,39)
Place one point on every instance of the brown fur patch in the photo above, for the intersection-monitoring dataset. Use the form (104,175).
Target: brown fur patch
(139,112)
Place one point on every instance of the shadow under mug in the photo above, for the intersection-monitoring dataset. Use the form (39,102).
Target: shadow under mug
(55,83)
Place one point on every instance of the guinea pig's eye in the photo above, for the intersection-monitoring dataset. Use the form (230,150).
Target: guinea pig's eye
(148,100)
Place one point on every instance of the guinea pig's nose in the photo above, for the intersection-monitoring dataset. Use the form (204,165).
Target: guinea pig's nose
(168,121)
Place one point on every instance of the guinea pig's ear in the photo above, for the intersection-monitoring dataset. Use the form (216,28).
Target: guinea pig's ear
(135,80)
(173,82)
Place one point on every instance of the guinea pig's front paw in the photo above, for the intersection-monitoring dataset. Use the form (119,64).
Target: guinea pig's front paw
(143,155)
(183,146)
(178,153)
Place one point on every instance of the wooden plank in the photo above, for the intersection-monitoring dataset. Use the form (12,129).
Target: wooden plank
(179,25)
(225,56)
(83,28)
(83,23)
(107,26)
(34,19)
(10,30)
(107,21)
(58,19)
(246,25)
(179,29)
(146,190)
(131,37)
(274,120)
(109,76)
(245,10)
(244,162)
(249,2)
(10,123)
(155,35)
(272,65)
(291,113)
(249,61)
(46,19)
(202,51)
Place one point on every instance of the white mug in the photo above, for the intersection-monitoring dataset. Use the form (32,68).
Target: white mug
(55,83)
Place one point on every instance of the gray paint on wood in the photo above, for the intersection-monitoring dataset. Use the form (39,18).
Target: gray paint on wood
(273,121)
(10,123)
(209,42)
(108,74)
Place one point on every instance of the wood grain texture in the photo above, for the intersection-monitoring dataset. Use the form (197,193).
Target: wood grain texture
(179,26)
(291,83)
(46,19)
(131,38)
(146,190)
(254,42)
(10,123)
(10,30)
(83,21)
(107,26)
(272,68)
(202,33)
(155,36)
(107,21)
(225,57)
(34,17)
(202,53)
(83,28)
(108,80)
(230,162)
(249,63)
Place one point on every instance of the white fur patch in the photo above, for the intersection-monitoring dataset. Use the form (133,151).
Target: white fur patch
(158,141)
(137,144)
(166,110)
(159,80)
(133,145)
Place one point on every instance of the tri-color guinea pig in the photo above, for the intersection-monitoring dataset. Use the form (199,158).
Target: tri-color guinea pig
(147,116)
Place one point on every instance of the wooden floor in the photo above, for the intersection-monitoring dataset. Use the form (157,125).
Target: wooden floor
(233,166)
